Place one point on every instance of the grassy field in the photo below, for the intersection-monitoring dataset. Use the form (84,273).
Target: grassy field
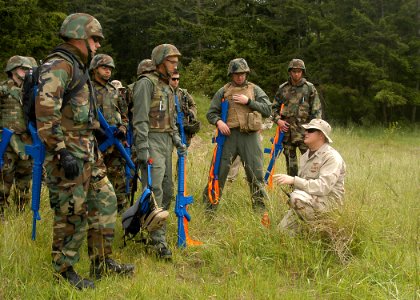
(374,252)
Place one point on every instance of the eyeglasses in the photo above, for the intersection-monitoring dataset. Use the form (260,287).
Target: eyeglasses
(175,79)
(311,130)
(174,62)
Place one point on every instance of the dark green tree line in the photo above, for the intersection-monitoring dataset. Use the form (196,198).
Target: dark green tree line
(363,55)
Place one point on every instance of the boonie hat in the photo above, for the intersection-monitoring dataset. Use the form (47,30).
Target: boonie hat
(321,125)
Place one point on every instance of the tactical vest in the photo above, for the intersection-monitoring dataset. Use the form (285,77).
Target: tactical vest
(11,111)
(162,106)
(107,99)
(240,115)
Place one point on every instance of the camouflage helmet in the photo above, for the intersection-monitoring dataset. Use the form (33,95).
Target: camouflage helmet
(101,60)
(238,65)
(146,65)
(296,64)
(32,61)
(80,26)
(162,51)
(117,84)
(17,61)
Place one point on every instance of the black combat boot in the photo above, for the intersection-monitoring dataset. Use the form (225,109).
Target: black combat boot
(164,253)
(99,267)
(75,280)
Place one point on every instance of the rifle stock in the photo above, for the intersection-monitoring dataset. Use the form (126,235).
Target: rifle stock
(182,200)
(275,150)
(37,152)
(213,184)
(5,140)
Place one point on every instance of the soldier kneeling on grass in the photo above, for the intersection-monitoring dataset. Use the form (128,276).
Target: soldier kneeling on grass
(319,186)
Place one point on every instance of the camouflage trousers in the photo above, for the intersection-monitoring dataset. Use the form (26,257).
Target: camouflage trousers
(248,148)
(305,208)
(18,171)
(115,166)
(88,199)
(289,151)
(160,150)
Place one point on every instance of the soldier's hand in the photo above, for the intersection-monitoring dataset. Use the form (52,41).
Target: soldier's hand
(284,126)
(100,135)
(182,150)
(120,133)
(222,126)
(142,157)
(239,98)
(283,179)
(69,164)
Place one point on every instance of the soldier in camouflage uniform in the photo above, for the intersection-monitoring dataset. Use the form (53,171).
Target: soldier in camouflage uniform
(80,193)
(156,133)
(114,109)
(247,102)
(146,66)
(17,165)
(319,188)
(122,91)
(301,104)
(188,107)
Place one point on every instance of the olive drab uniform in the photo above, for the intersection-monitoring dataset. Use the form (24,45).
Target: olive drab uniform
(17,166)
(114,109)
(154,117)
(301,104)
(244,122)
(189,108)
(89,198)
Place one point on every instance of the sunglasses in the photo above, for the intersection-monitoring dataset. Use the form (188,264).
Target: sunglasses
(175,79)
(96,39)
(311,130)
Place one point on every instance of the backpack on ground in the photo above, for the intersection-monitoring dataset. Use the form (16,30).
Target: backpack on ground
(31,81)
(144,213)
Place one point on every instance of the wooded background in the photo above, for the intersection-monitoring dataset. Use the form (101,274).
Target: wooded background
(363,55)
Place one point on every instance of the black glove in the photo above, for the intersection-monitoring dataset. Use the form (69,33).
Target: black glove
(100,135)
(69,164)
(182,150)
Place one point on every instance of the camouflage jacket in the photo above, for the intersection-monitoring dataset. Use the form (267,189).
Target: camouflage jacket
(301,103)
(113,106)
(187,102)
(11,117)
(261,104)
(70,126)
(153,109)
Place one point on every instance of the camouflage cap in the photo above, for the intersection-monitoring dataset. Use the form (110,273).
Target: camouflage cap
(117,84)
(80,26)
(162,51)
(32,61)
(146,65)
(238,65)
(17,61)
(101,60)
(296,64)
(320,125)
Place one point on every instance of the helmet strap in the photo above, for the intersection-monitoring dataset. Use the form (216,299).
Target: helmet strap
(89,52)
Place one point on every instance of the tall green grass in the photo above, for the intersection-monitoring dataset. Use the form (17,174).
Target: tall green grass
(240,259)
